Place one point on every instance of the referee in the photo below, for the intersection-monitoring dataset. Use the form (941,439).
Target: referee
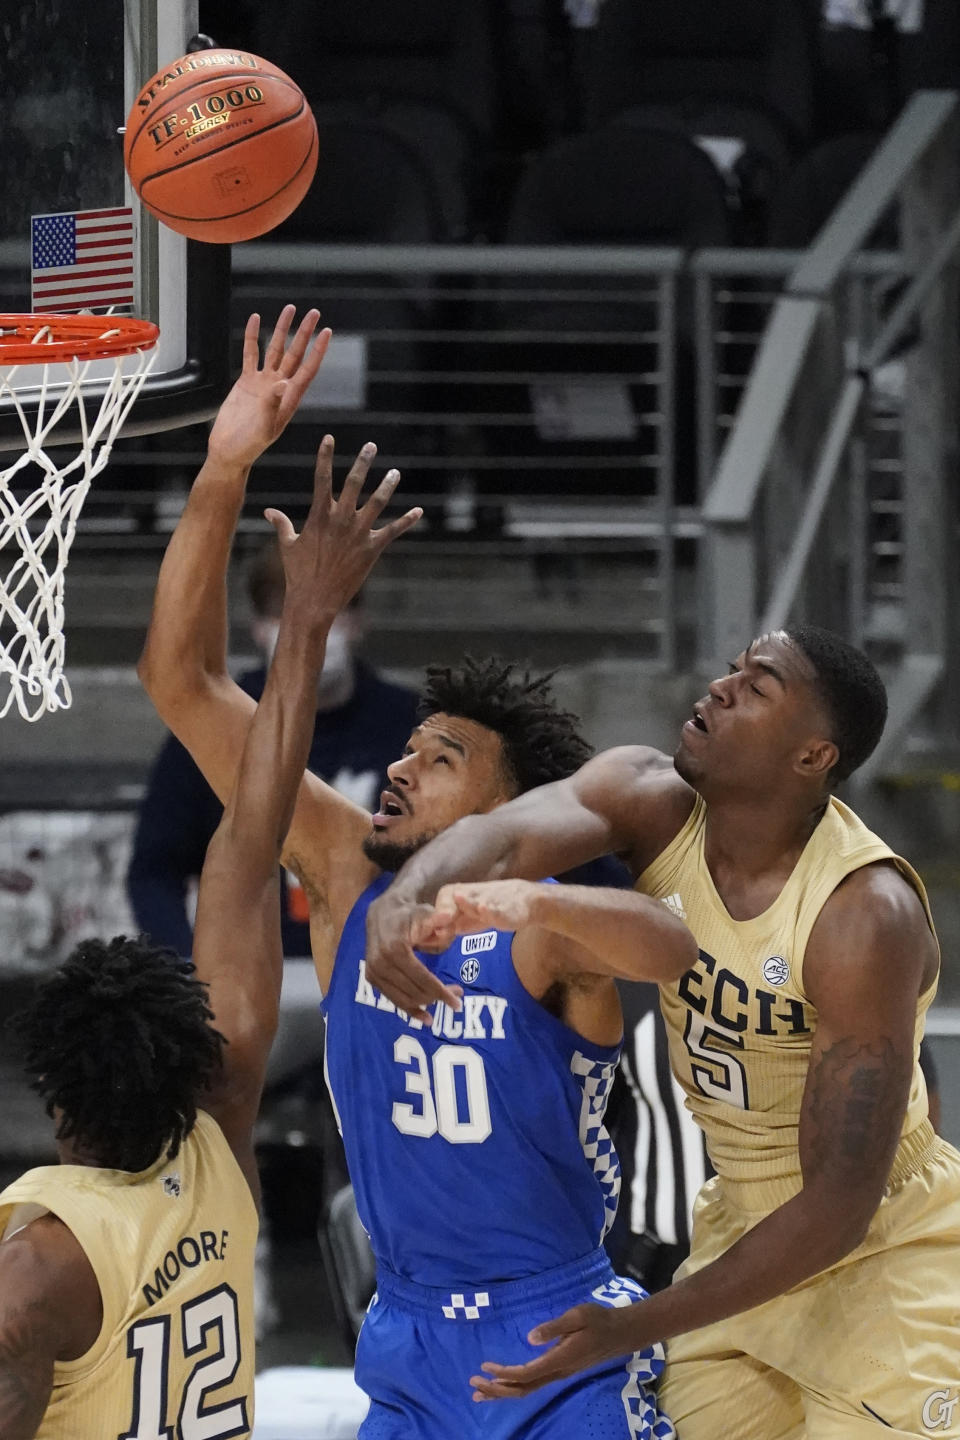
(663,1159)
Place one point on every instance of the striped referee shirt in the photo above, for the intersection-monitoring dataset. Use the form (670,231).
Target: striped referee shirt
(662,1155)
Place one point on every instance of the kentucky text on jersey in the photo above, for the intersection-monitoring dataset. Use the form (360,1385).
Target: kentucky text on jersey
(475,1143)
(468,1024)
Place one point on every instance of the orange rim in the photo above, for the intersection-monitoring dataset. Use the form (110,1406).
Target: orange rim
(46,339)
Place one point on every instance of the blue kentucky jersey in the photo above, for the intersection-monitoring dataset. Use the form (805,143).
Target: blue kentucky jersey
(476,1146)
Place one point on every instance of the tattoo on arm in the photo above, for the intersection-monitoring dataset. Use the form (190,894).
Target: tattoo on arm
(856,1107)
(26,1370)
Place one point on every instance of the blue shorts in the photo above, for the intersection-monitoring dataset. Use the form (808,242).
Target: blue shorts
(419,1346)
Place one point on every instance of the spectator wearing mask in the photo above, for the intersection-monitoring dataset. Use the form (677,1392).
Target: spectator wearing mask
(363,723)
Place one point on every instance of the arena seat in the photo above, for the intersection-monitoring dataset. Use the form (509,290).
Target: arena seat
(737,72)
(423,69)
(619,185)
(349,1264)
(745,53)
(372,188)
(815,186)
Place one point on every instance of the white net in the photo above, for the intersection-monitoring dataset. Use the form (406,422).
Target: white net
(41,497)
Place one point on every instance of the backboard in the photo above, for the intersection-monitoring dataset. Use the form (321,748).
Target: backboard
(72,233)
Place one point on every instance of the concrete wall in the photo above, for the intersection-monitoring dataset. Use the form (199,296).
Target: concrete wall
(112,720)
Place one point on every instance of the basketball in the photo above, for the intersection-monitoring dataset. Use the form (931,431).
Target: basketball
(221,145)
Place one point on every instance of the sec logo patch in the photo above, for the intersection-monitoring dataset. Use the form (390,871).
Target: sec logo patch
(469,971)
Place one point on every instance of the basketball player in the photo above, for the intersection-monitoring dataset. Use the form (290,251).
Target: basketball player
(822,1294)
(473,1130)
(126,1271)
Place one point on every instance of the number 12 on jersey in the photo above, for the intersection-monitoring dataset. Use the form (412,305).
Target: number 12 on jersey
(210,1330)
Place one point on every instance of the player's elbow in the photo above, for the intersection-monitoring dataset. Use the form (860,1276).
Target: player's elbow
(851,1225)
(160,677)
(840,1220)
(678,954)
(174,675)
(663,953)
(185,697)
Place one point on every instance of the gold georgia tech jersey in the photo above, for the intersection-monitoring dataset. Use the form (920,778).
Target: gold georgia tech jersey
(173,1250)
(740,1023)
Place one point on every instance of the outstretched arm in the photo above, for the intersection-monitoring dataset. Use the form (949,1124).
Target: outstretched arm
(629,801)
(870,955)
(184,662)
(237,949)
(606,932)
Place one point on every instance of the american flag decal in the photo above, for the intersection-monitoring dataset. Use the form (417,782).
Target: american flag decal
(82,260)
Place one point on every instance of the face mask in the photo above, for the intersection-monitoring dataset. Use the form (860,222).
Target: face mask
(338,657)
(265,633)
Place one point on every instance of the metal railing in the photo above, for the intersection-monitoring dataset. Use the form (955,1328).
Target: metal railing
(814,456)
(557,412)
(670,448)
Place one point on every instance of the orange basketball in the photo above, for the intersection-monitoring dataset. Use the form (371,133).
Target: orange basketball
(221,145)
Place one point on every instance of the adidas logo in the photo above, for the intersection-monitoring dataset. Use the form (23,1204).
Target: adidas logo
(675,905)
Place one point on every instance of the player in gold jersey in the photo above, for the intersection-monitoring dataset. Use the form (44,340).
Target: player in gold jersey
(822,1294)
(126,1271)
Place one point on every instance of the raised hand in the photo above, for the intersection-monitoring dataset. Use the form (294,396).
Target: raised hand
(326,564)
(463,908)
(265,397)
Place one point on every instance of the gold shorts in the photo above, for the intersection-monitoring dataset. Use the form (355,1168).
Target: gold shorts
(870,1348)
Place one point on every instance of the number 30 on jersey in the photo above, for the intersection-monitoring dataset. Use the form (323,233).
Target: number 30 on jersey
(435,1108)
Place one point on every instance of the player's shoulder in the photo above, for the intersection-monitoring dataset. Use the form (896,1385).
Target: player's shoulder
(877,898)
(45,1273)
(640,773)
(42,1246)
(645,799)
(873,924)
(629,763)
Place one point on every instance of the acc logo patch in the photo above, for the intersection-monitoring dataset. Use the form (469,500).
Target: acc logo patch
(469,971)
(776,971)
(171,1185)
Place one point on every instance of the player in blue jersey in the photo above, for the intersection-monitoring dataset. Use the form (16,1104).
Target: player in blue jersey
(473,1124)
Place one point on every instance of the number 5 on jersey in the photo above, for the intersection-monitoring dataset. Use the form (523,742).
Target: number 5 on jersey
(722,1076)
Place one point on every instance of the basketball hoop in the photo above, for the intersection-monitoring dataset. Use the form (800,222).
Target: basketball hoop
(38,516)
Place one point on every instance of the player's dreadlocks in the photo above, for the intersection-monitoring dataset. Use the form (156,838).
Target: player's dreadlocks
(541,742)
(119,1043)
